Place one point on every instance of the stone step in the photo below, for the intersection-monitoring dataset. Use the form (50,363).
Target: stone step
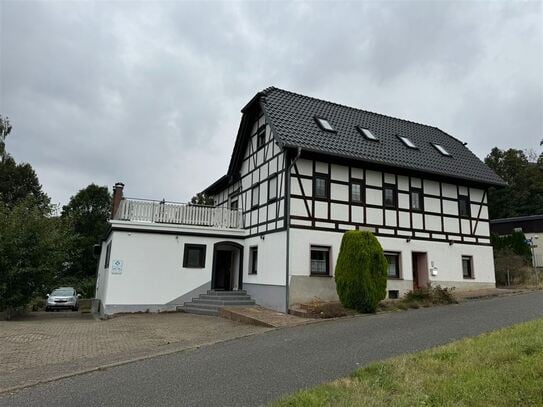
(210,303)
(224,297)
(191,309)
(223,293)
(221,302)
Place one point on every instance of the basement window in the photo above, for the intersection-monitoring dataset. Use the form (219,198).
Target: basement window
(367,133)
(441,149)
(324,124)
(407,141)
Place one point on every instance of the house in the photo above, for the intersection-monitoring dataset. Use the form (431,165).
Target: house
(302,172)
(531,226)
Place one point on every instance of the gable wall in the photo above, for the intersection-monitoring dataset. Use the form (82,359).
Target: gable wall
(257,167)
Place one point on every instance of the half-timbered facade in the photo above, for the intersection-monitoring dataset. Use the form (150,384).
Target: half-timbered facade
(304,170)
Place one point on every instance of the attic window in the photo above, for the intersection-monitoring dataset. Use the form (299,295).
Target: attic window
(324,124)
(367,133)
(407,142)
(441,149)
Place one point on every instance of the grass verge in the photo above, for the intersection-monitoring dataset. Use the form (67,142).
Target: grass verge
(501,368)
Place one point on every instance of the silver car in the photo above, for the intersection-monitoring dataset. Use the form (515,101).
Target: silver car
(63,298)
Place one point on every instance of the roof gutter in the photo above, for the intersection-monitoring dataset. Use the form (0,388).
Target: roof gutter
(287,220)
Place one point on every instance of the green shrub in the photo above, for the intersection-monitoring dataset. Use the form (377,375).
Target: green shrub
(361,271)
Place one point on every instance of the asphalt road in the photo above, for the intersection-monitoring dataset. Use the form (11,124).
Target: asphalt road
(255,370)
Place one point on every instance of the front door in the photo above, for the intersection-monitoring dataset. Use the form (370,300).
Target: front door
(223,265)
(415,271)
(420,270)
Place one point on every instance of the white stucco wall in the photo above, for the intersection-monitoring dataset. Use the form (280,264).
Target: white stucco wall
(445,257)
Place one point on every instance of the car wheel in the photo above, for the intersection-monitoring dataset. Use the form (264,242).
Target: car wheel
(47,309)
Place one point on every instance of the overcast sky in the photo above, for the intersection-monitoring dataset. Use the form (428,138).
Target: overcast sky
(150,93)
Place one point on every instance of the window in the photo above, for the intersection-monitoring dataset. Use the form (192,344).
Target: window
(234,204)
(108,255)
(393,294)
(324,124)
(254,196)
(253,260)
(356,191)
(441,149)
(367,133)
(389,196)
(194,256)
(393,260)
(272,188)
(320,186)
(407,142)
(467,266)
(417,200)
(463,206)
(320,261)
(261,137)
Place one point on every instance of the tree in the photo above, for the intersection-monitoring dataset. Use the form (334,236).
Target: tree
(524,193)
(18,182)
(32,252)
(5,129)
(86,216)
(202,199)
(361,271)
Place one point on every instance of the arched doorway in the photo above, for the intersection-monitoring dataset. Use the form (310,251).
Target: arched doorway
(227,271)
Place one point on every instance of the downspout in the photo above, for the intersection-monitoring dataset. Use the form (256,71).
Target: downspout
(287,220)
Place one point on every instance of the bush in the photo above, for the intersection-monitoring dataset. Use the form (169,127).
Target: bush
(361,271)
(430,295)
(512,269)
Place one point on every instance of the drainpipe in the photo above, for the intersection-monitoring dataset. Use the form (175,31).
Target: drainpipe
(287,220)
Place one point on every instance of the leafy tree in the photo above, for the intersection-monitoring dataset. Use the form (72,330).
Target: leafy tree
(202,199)
(86,215)
(524,193)
(18,182)
(32,252)
(5,129)
(361,271)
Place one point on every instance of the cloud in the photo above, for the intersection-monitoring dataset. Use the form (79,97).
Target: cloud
(150,93)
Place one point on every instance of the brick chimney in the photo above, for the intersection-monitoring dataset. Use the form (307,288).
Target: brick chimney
(117,198)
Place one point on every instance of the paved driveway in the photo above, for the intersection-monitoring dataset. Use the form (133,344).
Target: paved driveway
(44,345)
(253,370)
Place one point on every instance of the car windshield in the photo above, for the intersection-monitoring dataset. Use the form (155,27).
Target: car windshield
(63,292)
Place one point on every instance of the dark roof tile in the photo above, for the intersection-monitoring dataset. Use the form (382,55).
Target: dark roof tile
(292,116)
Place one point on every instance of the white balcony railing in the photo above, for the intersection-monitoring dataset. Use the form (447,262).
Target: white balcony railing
(139,210)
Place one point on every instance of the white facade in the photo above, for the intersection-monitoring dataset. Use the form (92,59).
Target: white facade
(283,219)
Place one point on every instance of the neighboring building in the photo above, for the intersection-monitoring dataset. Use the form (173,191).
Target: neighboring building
(531,226)
(302,172)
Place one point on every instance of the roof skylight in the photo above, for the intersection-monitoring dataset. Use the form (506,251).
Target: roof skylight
(324,124)
(407,142)
(367,133)
(441,149)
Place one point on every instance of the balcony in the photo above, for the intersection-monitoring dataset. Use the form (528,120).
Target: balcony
(148,211)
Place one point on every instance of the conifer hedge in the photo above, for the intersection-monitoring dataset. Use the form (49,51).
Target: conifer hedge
(361,271)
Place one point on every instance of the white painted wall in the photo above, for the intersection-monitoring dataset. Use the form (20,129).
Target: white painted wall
(271,259)
(446,258)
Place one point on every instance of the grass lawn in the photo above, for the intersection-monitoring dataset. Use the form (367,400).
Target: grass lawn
(501,368)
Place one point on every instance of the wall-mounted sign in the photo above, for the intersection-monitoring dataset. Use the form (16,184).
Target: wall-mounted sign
(117,267)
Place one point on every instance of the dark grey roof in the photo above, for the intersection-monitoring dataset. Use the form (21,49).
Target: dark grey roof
(292,119)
